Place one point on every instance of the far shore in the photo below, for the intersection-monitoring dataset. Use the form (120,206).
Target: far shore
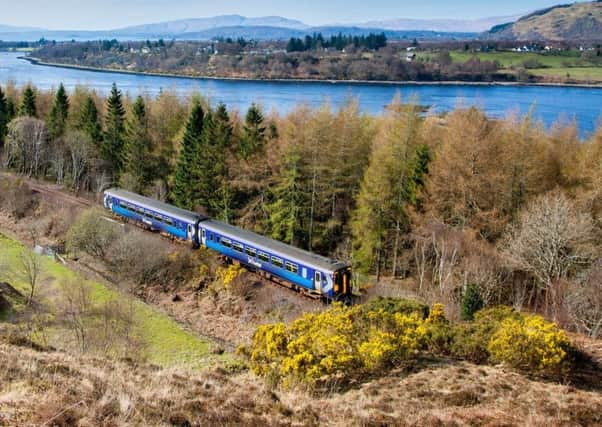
(37,61)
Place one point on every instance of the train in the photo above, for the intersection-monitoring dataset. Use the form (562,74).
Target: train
(306,272)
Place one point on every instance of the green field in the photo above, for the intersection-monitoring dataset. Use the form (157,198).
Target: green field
(577,73)
(165,343)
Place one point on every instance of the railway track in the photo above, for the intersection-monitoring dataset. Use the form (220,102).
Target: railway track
(53,195)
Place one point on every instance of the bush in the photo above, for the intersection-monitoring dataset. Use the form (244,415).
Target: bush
(91,233)
(17,198)
(439,334)
(470,340)
(471,302)
(530,343)
(337,344)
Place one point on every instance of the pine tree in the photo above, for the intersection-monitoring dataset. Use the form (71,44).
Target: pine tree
(254,132)
(28,103)
(183,190)
(11,109)
(57,120)
(137,159)
(285,213)
(206,167)
(113,139)
(471,302)
(89,122)
(3,117)
(222,134)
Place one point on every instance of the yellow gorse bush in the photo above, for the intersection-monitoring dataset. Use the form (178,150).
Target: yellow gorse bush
(228,275)
(341,341)
(530,343)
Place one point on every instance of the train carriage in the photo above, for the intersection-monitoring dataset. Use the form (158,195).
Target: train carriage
(307,271)
(154,214)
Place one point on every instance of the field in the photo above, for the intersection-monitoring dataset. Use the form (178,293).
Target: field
(165,343)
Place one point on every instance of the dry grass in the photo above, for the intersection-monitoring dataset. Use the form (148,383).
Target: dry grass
(38,387)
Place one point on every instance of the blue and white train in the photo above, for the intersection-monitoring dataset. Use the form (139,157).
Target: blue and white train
(301,270)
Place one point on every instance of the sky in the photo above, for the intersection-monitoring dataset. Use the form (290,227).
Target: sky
(110,14)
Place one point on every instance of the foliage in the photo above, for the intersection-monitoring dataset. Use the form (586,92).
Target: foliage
(228,275)
(4,119)
(396,305)
(254,137)
(530,343)
(114,133)
(336,344)
(28,103)
(138,149)
(91,233)
(184,179)
(471,302)
(57,119)
(89,121)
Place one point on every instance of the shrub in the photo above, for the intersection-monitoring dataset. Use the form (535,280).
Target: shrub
(17,198)
(439,334)
(91,233)
(336,344)
(530,343)
(470,340)
(471,302)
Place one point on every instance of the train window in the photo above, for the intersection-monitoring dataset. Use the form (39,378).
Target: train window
(263,256)
(168,221)
(122,204)
(226,242)
(211,236)
(293,268)
(251,251)
(237,247)
(158,217)
(277,262)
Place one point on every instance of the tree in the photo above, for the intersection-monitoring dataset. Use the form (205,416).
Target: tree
(114,135)
(551,241)
(183,193)
(389,189)
(220,141)
(89,122)
(471,302)
(28,103)
(27,148)
(254,132)
(57,120)
(29,269)
(3,118)
(137,157)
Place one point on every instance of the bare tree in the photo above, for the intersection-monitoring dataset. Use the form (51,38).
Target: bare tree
(76,310)
(551,241)
(29,269)
(27,146)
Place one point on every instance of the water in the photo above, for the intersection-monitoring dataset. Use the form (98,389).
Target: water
(550,104)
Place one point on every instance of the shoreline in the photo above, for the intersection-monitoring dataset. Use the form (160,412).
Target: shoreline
(36,61)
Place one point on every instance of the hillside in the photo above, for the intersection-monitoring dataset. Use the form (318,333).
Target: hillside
(578,21)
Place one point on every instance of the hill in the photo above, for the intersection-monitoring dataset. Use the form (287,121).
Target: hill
(568,22)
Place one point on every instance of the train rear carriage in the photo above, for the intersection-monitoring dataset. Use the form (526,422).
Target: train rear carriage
(316,274)
(156,215)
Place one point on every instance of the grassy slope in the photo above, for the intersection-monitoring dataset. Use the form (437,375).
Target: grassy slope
(166,343)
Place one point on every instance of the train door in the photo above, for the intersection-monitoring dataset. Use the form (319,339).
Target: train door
(318,281)
(203,238)
(190,232)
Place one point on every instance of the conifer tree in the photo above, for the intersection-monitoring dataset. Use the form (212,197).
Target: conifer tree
(222,131)
(57,120)
(113,138)
(3,117)
(254,132)
(206,167)
(286,211)
(11,109)
(183,190)
(28,103)
(137,159)
(389,188)
(89,122)
(471,302)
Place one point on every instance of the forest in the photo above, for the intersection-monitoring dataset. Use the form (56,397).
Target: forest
(457,208)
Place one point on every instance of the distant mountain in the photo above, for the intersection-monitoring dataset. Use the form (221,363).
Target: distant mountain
(275,33)
(577,21)
(441,25)
(11,29)
(172,28)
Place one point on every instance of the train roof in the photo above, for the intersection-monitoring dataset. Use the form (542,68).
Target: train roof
(156,205)
(275,247)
